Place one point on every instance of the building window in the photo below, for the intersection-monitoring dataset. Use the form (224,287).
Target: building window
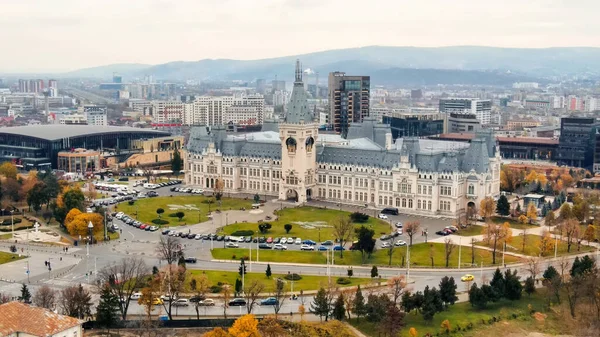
(471,189)
(429,205)
(397,202)
(403,203)
(410,203)
(380,200)
(429,190)
(419,204)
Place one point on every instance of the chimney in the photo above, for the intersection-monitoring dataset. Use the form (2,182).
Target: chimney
(389,143)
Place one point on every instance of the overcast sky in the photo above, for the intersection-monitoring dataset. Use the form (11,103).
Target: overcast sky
(59,35)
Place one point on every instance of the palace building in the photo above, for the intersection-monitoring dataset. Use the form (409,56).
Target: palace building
(289,159)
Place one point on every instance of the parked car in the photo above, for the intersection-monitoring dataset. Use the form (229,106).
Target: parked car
(307,247)
(142,226)
(197,299)
(382,216)
(279,246)
(190,260)
(264,246)
(237,302)
(327,243)
(338,248)
(323,248)
(400,243)
(269,240)
(209,302)
(385,237)
(269,301)
(298,241)
(232,245)
(165,231)
(276,240)
(386,245)
(182,302)
(136,296)
(309,242)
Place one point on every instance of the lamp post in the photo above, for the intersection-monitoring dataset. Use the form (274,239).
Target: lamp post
(90,228)
(12,223)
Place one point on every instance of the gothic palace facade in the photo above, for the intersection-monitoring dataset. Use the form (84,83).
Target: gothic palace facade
(290,159)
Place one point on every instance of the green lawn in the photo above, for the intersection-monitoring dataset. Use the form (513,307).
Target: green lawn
(9,257)
(306,222)
(420,256)
(461,314)
(308,282)
(532,244)
(470,230)
(512,222)
(5,236)
(193,206)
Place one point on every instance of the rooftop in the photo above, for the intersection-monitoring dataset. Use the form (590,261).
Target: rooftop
(60,131)
(16,317)
(522,140)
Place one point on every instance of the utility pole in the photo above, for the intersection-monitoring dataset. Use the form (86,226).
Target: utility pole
(459,250)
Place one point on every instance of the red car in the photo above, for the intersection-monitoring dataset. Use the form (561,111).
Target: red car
(269,240)
(143,226)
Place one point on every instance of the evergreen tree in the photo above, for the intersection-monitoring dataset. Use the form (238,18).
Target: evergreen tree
(477,297)
(238,286)
(432,303)
(181,262)
(503,206)
(358,307)
(529,285)
(107,312)
(448,291)
(518,209)
(25,294)
(392,322)
(550,273)
(417,300)
(497,285)
(154,270)
(512,285)
(582,266)
(339,311)
(374,272)
(377,307)
(268,271)
(320,305)
(176,163)
(406,302)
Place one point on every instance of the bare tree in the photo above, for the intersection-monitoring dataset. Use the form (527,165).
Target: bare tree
(448,249)
(76,302)
(4,298)
(495,235)
(487,207)
(279,295)
(251,293)
(169,249)
(349,295)
(343,229)
(123,279)
(396,286)
(533,266)
(45,297)
(411,228)
(199,285)
(226,294)
(172,281)
(572,231)
(472,252)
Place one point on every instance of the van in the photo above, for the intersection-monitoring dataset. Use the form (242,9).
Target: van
(390,210)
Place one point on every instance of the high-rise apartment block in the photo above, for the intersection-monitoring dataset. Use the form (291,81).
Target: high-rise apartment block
(481,108)
(348,100)
(94,114)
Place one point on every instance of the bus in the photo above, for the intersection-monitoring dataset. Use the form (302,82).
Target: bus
(390,210)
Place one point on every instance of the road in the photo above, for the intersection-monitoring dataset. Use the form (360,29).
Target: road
(88,96)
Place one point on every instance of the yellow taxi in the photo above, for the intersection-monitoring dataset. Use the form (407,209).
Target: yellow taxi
(467,278)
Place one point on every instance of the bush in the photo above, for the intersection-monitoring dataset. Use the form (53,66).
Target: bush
(172,215)
(343,280)
(131,202)
(215,289)
(159,222)
(264,227)
(359,217)
(243,233)
(292,277)
(9,222)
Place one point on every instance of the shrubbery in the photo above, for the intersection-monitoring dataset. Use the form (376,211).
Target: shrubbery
(243,233)
(343,280)
(292,277)
(159,222)
(359,217)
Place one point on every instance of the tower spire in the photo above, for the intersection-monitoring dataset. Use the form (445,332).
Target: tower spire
(298,71)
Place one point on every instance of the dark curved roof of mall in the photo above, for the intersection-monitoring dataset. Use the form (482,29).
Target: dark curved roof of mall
(60,131)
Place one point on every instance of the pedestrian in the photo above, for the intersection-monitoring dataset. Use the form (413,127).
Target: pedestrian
(61,258)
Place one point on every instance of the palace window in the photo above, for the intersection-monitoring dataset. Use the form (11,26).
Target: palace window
(410,203)
(471,189)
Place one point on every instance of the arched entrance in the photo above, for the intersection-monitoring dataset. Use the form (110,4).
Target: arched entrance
(471,211)
(291,195)
(308,194)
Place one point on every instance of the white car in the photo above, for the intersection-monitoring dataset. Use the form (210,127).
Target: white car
(182,302)
(241,239)
(382,216)
(279,246)
(386,245)
(197,237)
(298,241)
(119,215)
(399,231)
(400,243)
(307,247)
(136,296)
(232,245)
(399,225)
(290,241)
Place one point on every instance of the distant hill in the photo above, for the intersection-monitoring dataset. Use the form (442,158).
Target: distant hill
(383,63)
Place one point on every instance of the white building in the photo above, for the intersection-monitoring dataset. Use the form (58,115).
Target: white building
(292,161)
(94,114)
(481,108)
(214,110)
(525,85)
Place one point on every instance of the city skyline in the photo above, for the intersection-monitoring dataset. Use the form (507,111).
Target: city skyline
(67,35)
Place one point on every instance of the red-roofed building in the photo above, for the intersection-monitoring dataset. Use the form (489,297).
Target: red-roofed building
(18,319)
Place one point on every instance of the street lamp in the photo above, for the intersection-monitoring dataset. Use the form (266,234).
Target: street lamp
(12,223)
(90,228)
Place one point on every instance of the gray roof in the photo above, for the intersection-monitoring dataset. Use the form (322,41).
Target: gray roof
(60,131)
(297,108)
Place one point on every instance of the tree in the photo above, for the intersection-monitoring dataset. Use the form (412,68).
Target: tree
(25,294)
(279,295)
(73,198)
(159,211)
(245,326)
(343,229)
(251,293)
(199,285)
(123,280)
(549,219)
(349,295)
(582,266)
(396,286)
(529,285)
(571,229)
(172,278)
(497,235)
(365,242)
(358,307)
(590,233)
(339,311)
(176,162)
(226,295)
(498,285)
(413,332)
(532,212)
(546,243)
(392,321)
(512,286)
(76,302)
(486,208)
(107,312)
(503,206)
(79,225)
(169,249)
(533,266)
(237,289)
(566,212)
(320,305)
(179,215)
(256,198)
(377,306)
(553,281)
(8,170)
(477,297)
(35,197)
(270,327)
(287,227)
(374,272)
(45,297)
(432,303)
(411,228)
(446,326)
(218,191)
(268,271)
(448,291)
(448,248)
